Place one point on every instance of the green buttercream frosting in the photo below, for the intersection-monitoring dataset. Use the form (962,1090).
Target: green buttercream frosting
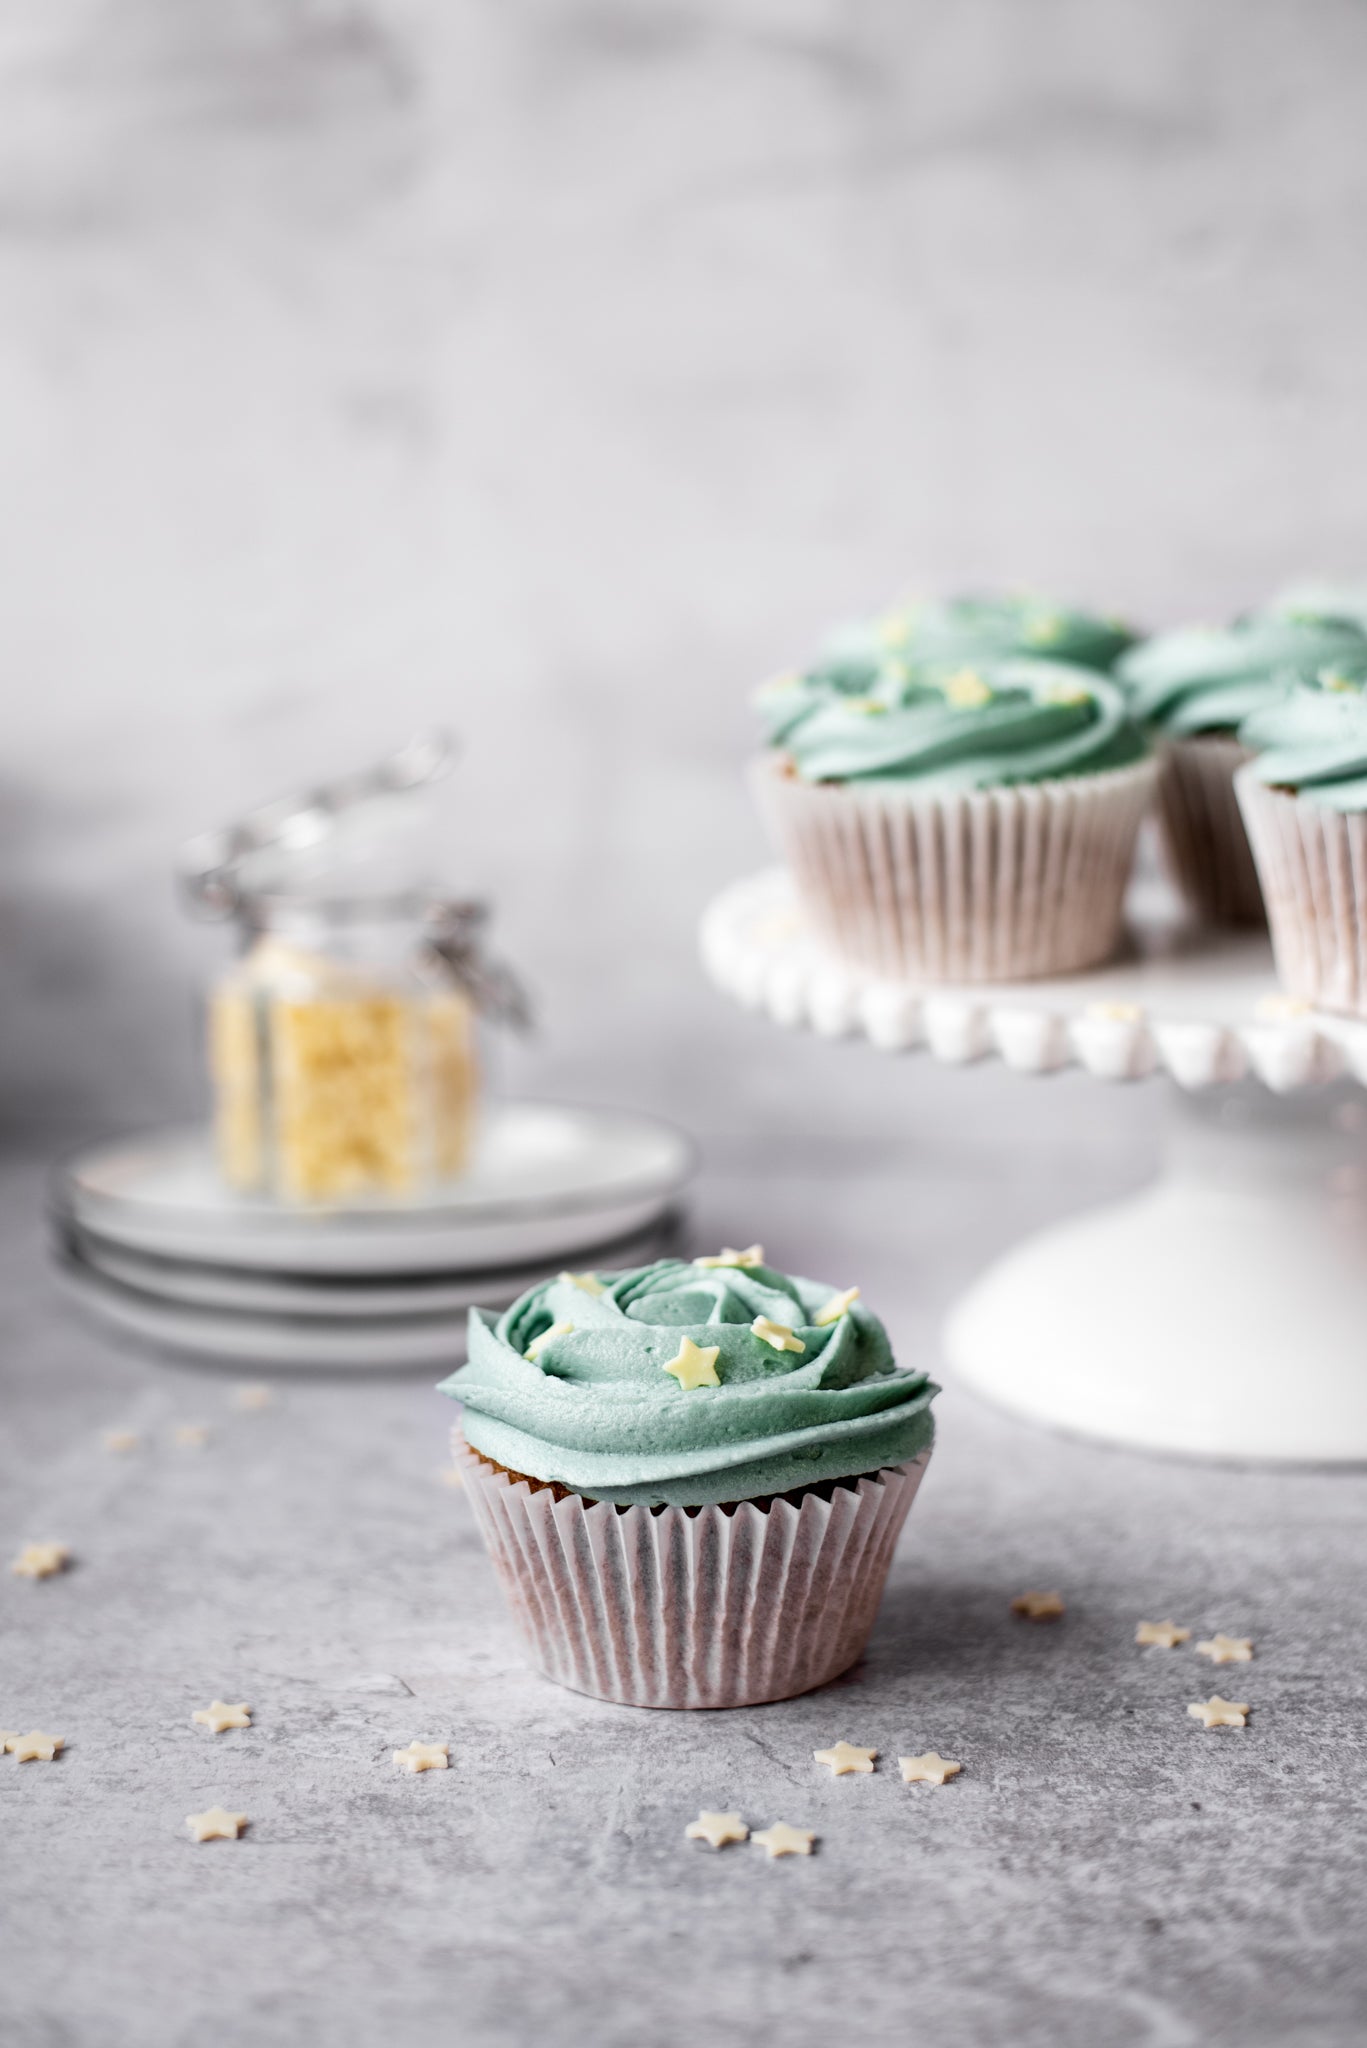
(972,727)
(1204,679)
(1314,741)
(596,1410)
(861,659)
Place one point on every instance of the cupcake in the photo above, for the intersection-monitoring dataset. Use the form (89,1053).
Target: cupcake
(1304,801)
(955,630)
(1193,688)
(966,823)
(690,1477)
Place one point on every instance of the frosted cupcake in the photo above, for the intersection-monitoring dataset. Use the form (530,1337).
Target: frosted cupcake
(1304,799)
(690,1477)
(1194,688)
(968,824)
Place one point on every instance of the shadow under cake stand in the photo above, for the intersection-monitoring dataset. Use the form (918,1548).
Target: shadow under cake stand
(1222,1312)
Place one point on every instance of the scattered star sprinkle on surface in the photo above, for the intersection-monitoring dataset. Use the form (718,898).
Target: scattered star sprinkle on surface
(41,1560)
(1226,1649)
(587,1283)
(747,1260)
(7,1739)
(1038,1606)
(835,1308)
(190,1436)
(218,1716)
(1162,1635)
(695,1365)
(423,1756)
(777,1334)
(781,1840)
(966,690)
(35,1747)
(215,1825)
(1218,1713)
(867,707)
(250,1398)
(1279,1009)
(1115,1013)
(538,1344)
(121,1441)
(930,1769)
(845,1756)
(717,1829)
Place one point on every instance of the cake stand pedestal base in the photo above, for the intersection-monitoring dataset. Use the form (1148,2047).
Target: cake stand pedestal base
(1222,1313)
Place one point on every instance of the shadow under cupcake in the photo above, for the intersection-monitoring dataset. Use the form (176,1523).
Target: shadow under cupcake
(690,1477)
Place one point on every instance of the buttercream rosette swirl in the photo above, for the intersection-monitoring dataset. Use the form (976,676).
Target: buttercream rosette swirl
(1314,740)
(595,1410)
(1209,679)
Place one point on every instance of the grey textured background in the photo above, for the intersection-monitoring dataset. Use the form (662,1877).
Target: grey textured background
(559,371)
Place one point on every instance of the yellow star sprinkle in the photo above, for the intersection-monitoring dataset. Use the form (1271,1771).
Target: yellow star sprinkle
(191,1436)
(1218,1713)
(717,1829)
(965,689)
(781,1840)
(777,1334)
(867,707)
(538,1344)
(587,1283)
(423,1756)
(835,1308)
(218,1716)
(1038,1606)
(1164,1635)
(1279,1009)
(215,1825)
(7,1740)
(695,1366)
(1334,679)
(893,631)
(845,1756)
(1043,632)
(35,1747)
(930,1769)
(1066,694)
(121,1440)
(1226,1650)
(249,1399)
(40,1560)
(747,1260)
(1114,1013)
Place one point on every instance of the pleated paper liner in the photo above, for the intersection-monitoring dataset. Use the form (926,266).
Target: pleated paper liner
(1312,862)
(1203,832)
(994,885)
(691,1607)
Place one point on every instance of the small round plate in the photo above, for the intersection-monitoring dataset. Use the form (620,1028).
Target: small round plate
(546,1182)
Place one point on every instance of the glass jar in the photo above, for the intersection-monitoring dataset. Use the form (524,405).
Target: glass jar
(342,1048)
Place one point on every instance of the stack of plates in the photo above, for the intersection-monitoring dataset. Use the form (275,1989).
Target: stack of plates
(154,1247)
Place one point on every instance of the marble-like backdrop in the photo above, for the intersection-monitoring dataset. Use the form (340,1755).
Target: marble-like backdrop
(558,371)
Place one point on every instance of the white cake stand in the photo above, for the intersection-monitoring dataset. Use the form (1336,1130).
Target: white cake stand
(1222,1312)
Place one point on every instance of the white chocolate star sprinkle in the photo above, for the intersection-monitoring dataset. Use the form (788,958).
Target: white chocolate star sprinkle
(777,1334)
(423,1756)
(1218,1713)
(587,1283)
(216,1825)
(695,1365)
(41,1560)
(717,1829)
(251,1399)
(7,1740)
(538,1344)
(1038,1606)
(1066,694)
(219,1716)
(747,1260)
(1226,1649)
(781,1840)
(867,707)
(845,1756)
(965,690)
(1044,631)
(35,1747)
(121,1441)
(190,1436)
(835,1308)
(930,1769)
(1163,1635)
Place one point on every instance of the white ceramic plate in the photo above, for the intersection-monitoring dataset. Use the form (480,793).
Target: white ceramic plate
(547,1182)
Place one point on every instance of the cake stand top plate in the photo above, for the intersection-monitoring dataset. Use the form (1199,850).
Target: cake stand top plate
(1200,1005)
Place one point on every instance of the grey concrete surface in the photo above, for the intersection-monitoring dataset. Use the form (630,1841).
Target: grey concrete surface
(1102,1872)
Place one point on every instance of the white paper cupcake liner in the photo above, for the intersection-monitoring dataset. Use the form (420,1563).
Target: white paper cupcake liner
(1313,866)
(1203,833)
(683,1607)
(997,885)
